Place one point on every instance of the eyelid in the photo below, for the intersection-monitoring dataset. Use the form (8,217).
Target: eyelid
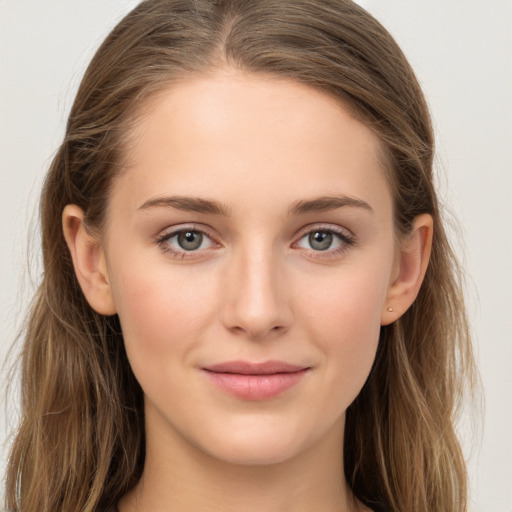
(163,237)
(346,237)
(331,228)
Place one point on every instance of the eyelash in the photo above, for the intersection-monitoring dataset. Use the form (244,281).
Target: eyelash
(345,238)
(163,241)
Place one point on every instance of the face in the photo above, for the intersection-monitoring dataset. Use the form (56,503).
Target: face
(250,251)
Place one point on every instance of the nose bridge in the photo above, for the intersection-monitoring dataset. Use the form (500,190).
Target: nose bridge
(256,303)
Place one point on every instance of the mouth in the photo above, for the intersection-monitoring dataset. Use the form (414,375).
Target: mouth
(255,381)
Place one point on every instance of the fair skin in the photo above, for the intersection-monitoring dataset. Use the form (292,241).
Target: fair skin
(293,259)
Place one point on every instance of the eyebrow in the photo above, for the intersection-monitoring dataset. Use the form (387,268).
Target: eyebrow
(326,203)
(188,204)
(196,204)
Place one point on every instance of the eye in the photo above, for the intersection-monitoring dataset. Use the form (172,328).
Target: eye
(320,240)
(180,242)
(189,240)
(326,239)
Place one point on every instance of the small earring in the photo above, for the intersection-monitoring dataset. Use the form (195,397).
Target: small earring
(390,310)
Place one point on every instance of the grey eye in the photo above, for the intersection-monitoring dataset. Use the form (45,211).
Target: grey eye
(320,240)
(189,240)
(325,240)
(185,242)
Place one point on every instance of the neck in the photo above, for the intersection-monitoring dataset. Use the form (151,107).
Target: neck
(178,477)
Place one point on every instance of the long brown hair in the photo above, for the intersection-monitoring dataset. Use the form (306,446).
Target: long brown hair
(80,443)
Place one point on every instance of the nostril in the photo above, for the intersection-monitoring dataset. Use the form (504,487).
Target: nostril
(256,304)
(258,332)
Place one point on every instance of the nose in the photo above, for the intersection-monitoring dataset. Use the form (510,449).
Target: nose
(256,293)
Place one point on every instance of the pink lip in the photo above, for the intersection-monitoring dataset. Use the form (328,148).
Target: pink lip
(255,381)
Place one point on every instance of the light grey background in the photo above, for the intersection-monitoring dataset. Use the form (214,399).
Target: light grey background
(462,52)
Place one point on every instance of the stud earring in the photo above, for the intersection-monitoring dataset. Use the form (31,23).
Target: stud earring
(390,310)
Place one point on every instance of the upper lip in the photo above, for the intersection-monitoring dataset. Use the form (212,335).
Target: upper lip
(248,368)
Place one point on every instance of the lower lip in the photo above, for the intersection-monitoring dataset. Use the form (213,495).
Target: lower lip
(256,387)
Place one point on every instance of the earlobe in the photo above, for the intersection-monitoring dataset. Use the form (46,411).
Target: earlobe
(412,265)
(88,261)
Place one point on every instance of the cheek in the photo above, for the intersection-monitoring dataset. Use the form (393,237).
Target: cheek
(162,314)
(344,319)
(347,303)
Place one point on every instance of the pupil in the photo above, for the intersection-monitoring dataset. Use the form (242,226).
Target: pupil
(190,240)
(320,240)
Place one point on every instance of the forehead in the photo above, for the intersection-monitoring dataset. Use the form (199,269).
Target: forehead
(233,133)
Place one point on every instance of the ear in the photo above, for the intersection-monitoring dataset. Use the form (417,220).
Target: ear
(410,268)
(88,260)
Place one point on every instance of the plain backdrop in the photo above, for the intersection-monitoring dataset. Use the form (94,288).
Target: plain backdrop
(462,53)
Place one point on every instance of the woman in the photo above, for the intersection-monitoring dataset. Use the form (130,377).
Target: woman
(249,301)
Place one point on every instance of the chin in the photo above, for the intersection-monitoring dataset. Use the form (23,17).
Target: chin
(255,452)
(259,441)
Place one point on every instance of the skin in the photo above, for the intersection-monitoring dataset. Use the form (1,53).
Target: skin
(257,289)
